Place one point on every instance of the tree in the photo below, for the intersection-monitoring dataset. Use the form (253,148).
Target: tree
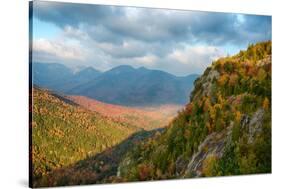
(207,104)
(209,166)
(237,116)
(144,171)
(265,103)
(233,79)
(222,80)
(261,74)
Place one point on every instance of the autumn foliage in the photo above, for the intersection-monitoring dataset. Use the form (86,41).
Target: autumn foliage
(226,96)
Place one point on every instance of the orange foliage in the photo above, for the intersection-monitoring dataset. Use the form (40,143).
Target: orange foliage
(252,71)
(233,79)
(265,103)
(144,171)
(188,108)
(222,80)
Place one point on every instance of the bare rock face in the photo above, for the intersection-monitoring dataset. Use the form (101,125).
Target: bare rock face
(207,83)
(181,163)
(213,145)
(255,125)
(213,74)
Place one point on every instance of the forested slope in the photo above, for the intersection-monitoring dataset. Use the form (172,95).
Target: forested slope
(224,130)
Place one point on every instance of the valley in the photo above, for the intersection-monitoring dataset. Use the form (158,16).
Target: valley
(146,118)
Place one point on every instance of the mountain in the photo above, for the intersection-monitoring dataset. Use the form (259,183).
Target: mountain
(224,130)
(50,75)
(125,85)
(122,85)
(64,133)
(60,78)
(79,78)
(87,74)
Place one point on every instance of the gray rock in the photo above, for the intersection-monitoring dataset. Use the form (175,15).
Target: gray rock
(181,164)
(255,125)
(213,145)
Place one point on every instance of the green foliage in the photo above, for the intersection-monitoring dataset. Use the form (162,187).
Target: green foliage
(242,86)
(228,164)
(63,134)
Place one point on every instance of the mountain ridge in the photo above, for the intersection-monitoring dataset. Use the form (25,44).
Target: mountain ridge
(121,85)
(60,78)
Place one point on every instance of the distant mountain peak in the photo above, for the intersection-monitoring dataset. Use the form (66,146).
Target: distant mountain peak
(142,68)
(121,69)
(88,70)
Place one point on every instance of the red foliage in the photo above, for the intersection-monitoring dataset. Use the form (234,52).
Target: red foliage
(139,116)
(144,172)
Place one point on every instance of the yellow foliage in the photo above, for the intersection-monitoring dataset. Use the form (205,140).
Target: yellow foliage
(212,111)
(220,99)
(218,106)
(261,74)
(238,116)
(222,80)
(209,165)
(209,127)
(207,105)
(233,79)
(265,103)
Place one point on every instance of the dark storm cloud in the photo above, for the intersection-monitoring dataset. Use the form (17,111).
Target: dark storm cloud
(72,14)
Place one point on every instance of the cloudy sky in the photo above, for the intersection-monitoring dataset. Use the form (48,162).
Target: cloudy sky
(178,42)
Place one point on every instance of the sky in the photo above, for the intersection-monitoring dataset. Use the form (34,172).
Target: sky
(175,41)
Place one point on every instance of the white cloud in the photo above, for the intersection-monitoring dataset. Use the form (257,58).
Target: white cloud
(147,60)
(60,50)
(128,49)
(196,56)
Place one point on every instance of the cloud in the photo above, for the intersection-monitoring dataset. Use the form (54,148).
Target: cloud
(179,42)
(56,50)
(124,50)
(75,33)
(147,60)
(196,57)
(116,24)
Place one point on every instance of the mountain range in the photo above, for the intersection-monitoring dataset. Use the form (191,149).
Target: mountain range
(60,78)
(122,85)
